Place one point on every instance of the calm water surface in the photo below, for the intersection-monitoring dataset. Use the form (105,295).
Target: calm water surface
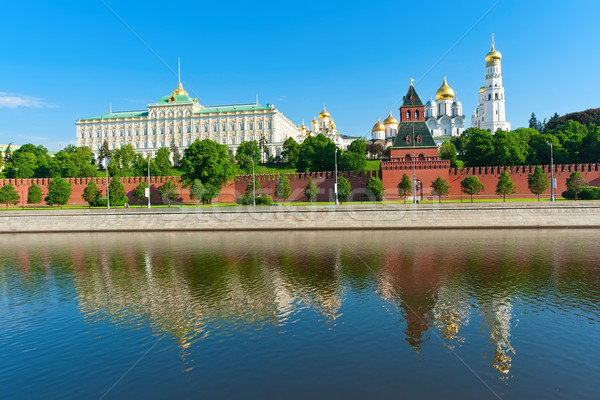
(479,314)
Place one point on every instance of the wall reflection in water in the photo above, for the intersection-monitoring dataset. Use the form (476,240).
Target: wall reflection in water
(193,285)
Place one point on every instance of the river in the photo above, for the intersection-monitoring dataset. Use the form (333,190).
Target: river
(415,314)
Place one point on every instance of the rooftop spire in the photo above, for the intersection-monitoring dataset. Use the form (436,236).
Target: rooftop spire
(179,70)
(493,40)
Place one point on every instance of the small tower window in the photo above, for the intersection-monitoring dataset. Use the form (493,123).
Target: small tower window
(416,113)
(408,114)
(496,96)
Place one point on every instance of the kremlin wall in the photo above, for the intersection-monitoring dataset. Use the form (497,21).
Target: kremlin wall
(391,172)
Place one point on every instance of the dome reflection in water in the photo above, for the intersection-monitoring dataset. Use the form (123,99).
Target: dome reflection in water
(477,313)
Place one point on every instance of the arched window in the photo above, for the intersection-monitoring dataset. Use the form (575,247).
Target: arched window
(496,96)
(408,114)
(416,113)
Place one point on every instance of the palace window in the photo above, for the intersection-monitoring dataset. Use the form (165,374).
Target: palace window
(242,126)
(154,130)
(233,126)
(178,128)
(269,124)
(233,140)
(206,128)
(260,124)
(179,143)
(162,130)
(214,126)
(145,130)
(170,129)
(223,126)
(251,125)
(189,128)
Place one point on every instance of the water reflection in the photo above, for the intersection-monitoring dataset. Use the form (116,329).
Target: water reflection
(191,286)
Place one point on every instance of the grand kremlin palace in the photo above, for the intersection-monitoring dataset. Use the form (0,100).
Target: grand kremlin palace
(180,118)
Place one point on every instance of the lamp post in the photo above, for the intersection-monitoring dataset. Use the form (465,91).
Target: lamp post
(414,178)
(253,184)
(149,206)
(551,172)
(107,185)
(335,185)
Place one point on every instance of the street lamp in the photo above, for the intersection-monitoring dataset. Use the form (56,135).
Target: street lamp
(107,158)
(414,178)
(335,186)
(148,188)
(551,172)
(253,184)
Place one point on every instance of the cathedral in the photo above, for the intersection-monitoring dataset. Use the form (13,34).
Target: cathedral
(444,115)
(490,113)
(325,126)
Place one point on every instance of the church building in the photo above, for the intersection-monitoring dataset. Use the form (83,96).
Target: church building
(444,115)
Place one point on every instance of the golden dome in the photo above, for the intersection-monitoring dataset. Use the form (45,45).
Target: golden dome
(445,92)
(179,91)
(324,114)
(482,89)
(314,121)
(493,56)
(378,127)
(303,127)
(390,120)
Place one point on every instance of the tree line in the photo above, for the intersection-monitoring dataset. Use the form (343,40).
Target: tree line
(575,139)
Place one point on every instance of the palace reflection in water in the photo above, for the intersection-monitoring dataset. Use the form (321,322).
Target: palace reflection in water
(444,288)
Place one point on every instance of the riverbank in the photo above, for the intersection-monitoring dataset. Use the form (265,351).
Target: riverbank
(344,217)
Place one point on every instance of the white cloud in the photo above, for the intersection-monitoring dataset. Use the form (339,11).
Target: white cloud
(10,100)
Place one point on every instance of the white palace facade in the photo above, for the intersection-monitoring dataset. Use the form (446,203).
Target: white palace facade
(180,118)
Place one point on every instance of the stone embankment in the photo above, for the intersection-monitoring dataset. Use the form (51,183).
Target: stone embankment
(352,217)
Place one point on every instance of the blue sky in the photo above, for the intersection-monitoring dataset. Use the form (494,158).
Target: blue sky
(63,60)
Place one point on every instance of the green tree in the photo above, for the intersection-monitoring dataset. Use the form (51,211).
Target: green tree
(34,195)
(552,123)
(471,185)
(505,186)
(311,191)
(375,186)
(104,152)
(22,166)
(575,183)
(404,187)
(9,195)
(163,164)
(73,162)
(317,154)
(343,188)
(291,151)
(441,187)
(139,193)
(168,192)
(117,193)
(538,182)
(283,189)
(478,147)
(196,191)
(175,152)
(355,157)
(59,192)
(246,153)
(209,162)
(535,124)
(91,194)
(122,161)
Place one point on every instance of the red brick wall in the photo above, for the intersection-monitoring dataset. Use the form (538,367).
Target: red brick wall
(428,172)
(229,193)
(391,173)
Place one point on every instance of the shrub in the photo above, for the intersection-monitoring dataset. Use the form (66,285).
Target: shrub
(588,193)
